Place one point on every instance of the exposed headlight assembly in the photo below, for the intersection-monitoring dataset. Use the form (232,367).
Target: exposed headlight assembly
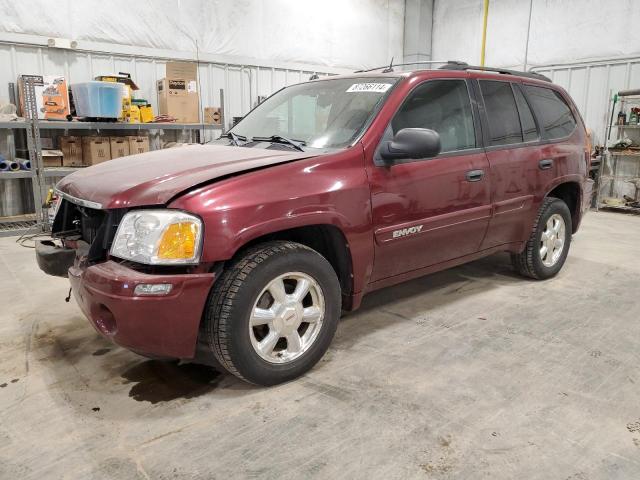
(159,237)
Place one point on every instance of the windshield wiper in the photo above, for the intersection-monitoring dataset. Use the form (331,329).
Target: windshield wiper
(297,144)
(234,138)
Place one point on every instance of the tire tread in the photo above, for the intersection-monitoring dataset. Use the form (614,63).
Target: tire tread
(226,288)
(523,261)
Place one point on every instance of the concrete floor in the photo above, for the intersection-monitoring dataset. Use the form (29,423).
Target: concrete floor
(470,373)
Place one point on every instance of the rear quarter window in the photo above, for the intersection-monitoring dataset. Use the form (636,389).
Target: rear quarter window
(554,115)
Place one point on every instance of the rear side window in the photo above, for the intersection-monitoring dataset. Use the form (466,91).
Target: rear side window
(443,106)
(529,130)
(502,113)
(554,115)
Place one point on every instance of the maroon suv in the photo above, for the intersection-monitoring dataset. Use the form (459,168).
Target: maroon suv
(245,252)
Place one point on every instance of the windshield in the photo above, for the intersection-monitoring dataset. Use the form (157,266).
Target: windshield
(320,114)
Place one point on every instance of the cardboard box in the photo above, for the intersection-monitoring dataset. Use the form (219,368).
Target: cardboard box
(72,150)
(138,145)
(213,115)
(52,158)
(174,99)
(52,96)
(146,114)
(178,92)
(182,70)
(119,147)
(95,150)
(132,115)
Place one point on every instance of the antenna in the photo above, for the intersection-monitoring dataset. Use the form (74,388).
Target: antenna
(389,69)
(200,92)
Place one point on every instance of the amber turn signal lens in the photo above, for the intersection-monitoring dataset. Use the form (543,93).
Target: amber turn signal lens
(178,241)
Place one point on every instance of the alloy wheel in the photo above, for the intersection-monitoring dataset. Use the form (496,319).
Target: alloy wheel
(552,240)
(286,317)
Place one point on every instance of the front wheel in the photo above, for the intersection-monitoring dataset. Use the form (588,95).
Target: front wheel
(273,313)
(546,250)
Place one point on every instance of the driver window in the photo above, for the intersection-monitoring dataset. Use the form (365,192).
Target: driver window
(443,106)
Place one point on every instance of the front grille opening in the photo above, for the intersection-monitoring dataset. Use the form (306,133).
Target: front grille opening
(95,227)
(89,223)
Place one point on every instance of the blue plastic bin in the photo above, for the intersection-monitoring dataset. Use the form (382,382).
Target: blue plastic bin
(97,99)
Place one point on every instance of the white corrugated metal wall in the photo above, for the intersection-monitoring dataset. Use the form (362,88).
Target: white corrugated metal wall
(591,85)
(242,84)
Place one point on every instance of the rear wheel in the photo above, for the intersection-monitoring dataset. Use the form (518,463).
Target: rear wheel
(273,312)
(546,250)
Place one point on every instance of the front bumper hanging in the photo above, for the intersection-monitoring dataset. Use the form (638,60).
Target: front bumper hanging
(54,259)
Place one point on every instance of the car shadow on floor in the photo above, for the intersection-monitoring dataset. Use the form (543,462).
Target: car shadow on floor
(156,381)
(417,300)
(483,274)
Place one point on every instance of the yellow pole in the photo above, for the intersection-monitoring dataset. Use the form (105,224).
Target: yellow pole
(484,31)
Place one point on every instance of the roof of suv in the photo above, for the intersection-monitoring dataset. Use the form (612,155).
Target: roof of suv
(449,66)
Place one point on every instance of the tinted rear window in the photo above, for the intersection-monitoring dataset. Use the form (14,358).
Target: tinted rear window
(554,115)
(504,122)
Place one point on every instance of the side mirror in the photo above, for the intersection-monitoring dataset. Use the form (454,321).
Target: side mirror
(411,143)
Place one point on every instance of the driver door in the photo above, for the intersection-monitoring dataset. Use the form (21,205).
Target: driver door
(429,211)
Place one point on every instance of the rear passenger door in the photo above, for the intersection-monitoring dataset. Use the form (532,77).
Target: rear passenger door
(526,126)
(562,149)
(512,143)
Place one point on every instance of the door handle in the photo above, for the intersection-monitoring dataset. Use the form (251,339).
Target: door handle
(474,175)
(545,164)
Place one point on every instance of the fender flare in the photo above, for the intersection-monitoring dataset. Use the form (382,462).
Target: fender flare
(577,179)
(272,226)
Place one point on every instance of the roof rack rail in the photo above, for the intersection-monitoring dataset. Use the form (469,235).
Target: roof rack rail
(389,68)
(505,71)
(458,65)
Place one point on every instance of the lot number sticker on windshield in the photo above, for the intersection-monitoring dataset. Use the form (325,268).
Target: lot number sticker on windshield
(369,87)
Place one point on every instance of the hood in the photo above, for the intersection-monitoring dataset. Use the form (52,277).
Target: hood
(156,177)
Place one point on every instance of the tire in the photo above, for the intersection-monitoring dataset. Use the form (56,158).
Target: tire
(246,287)
(531,262)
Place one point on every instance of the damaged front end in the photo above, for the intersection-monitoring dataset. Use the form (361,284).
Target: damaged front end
(121,298)
(81,234)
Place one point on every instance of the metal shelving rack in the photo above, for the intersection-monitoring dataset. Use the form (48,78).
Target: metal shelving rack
(21,223)
(38,173)
(10,128)
(50,124)
(612,158)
